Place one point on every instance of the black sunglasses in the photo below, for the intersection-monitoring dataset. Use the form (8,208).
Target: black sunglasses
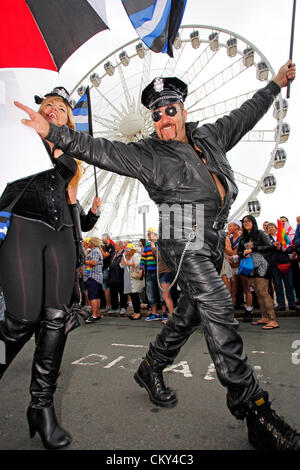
(170,110)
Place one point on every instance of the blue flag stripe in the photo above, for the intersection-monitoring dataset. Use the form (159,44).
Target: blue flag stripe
(5,214)
(82,127)
(82,101)
(139,18)
(156,22)
(81,114)
(160,26)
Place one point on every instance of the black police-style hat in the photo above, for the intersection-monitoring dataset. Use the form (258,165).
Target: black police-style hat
(163,91)
(57,91)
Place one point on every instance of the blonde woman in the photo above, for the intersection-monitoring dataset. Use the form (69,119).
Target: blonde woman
(133,285)
(37,271)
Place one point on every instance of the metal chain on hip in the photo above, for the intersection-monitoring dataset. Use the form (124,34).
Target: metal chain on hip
(191,237)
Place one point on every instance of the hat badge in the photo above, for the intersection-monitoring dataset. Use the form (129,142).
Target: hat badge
(158,84)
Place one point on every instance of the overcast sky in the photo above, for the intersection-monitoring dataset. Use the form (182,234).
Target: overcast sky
(265,23)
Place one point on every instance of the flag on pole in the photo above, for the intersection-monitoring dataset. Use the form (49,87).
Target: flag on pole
(289,231)
(156,21)
(82,113)
(285,234)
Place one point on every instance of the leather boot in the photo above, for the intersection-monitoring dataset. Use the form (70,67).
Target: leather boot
(45,368)
(267,430)
(149,375)
(14,333)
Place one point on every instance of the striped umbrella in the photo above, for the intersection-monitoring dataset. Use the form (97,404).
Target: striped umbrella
(44,34)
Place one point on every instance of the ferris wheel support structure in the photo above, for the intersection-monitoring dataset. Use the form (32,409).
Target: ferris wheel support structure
(119,115)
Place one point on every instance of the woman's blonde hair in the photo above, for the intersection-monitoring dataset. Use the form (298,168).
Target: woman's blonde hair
(95,241)
(71,123)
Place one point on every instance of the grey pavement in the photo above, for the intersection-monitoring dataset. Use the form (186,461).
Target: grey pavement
(100,404)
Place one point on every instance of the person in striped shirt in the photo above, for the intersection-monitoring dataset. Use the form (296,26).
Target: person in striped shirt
(148,268)
(92,275)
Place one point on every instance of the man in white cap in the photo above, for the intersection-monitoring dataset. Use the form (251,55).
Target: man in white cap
(187,165)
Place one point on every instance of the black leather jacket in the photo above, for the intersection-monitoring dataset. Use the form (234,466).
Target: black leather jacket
(171,171)
(116,273)
(279,256)
(45,199)
(262,245)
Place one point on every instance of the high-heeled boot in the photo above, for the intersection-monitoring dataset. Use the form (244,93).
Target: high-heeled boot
(46,363)
(14,333)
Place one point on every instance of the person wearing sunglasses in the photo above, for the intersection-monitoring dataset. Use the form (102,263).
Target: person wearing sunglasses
(37,270)
(185,169)
(257,243)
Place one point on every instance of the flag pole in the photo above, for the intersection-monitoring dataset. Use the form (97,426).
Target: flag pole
(91,134)
(91,131)
(291,45)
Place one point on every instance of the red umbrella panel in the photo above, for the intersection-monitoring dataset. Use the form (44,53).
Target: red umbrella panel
(44,34)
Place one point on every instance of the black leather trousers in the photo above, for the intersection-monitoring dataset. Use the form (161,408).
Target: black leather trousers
(205,300)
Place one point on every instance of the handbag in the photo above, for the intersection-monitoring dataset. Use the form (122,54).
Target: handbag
(260,264)
(246,266)
(6,215)
(283,268)
(135,275)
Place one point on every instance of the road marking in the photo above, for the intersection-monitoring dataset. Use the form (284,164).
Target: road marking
(180,368)
(260,375)
(82,359)
(112,363)
(296,354)
(130,345)
(210,370)
(185,369)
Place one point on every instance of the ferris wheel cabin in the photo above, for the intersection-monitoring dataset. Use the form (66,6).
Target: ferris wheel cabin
(254,207)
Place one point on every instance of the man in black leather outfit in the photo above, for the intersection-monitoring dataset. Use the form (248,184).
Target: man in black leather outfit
(185,165)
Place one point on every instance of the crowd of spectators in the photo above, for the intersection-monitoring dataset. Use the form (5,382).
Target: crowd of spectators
(274,283)
(119,277)
(134,277)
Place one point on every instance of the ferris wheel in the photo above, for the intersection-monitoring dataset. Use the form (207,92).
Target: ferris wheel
(222,70)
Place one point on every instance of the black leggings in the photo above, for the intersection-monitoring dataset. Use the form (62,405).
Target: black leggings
(116,291)
(136,303)
(37,268)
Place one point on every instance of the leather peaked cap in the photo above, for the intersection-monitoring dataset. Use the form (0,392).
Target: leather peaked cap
(163,91)
(57,91)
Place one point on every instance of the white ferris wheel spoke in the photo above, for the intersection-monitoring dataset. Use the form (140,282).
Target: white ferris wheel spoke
(220,108)
(198,65)
(219,80)
(172,63)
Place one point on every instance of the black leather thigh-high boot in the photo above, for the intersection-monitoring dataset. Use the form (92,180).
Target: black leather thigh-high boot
(46,363)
